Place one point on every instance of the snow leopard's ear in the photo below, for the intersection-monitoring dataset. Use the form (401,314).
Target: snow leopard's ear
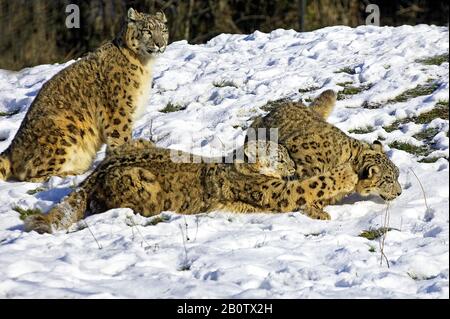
(369,172)
(161,16)
(377,146)
(132,15)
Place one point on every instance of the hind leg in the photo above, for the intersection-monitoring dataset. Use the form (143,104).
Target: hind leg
(5,167)
(134,188)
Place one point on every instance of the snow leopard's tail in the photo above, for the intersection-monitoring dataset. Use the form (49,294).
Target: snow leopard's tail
(5,166)
(70,210)
(324,103)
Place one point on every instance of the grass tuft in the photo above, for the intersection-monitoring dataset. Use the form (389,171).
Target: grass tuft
(11,113)
(348,69)
(431,159)
(170,107)
(373,234)
(440,111)
(316,234)
(364,130)
(434,60)
(419,90)
(158,219)
(35,191)
(427,134)
(308,89)
(372,105)
(351,90)
(412,149)
(225,83)
(416,277)
(24,213)
(344,84)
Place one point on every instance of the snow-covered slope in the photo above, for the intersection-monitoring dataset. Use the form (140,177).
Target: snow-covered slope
(387,91)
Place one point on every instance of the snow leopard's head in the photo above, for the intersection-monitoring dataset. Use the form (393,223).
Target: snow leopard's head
(378,175)
(146,34)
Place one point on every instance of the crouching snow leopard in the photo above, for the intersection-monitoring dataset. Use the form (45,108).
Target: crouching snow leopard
(142,177)
(91,102)
(319,148)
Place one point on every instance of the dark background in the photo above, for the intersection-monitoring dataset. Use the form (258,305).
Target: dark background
(33,31)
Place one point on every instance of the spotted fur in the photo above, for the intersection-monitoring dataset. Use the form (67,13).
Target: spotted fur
(318,147)
(145,178)
(91,102)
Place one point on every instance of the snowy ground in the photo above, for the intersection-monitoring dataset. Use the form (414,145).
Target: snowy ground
(220,87)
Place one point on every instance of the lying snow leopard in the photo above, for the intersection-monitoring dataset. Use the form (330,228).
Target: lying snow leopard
(142,177)
(91,102)
(318,148)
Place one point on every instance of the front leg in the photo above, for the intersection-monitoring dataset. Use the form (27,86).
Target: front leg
(277,195)
(118,129)
(325,188)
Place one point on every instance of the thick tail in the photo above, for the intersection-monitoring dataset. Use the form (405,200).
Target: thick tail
(5,167)
(324,103)
(71,210)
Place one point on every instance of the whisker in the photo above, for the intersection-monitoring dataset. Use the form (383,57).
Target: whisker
(423,190)
(383,239)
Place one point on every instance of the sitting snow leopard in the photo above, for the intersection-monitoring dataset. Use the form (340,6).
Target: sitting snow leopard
(93,101)
(318,147)
(142,177)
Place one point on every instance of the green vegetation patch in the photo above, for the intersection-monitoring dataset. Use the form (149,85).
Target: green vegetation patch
(344,83)
(35,191)
(11,113)
(440,111)
(348,69)
(419,90)
(308,89)
(375,233)
(431,159)
(426,135)
(417,277)
(372,105)
(396,125)
(24,213)
(412,149)
(225,83)
(364,130)
(158,219)
(352,90)
(170,107)
(434,60)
